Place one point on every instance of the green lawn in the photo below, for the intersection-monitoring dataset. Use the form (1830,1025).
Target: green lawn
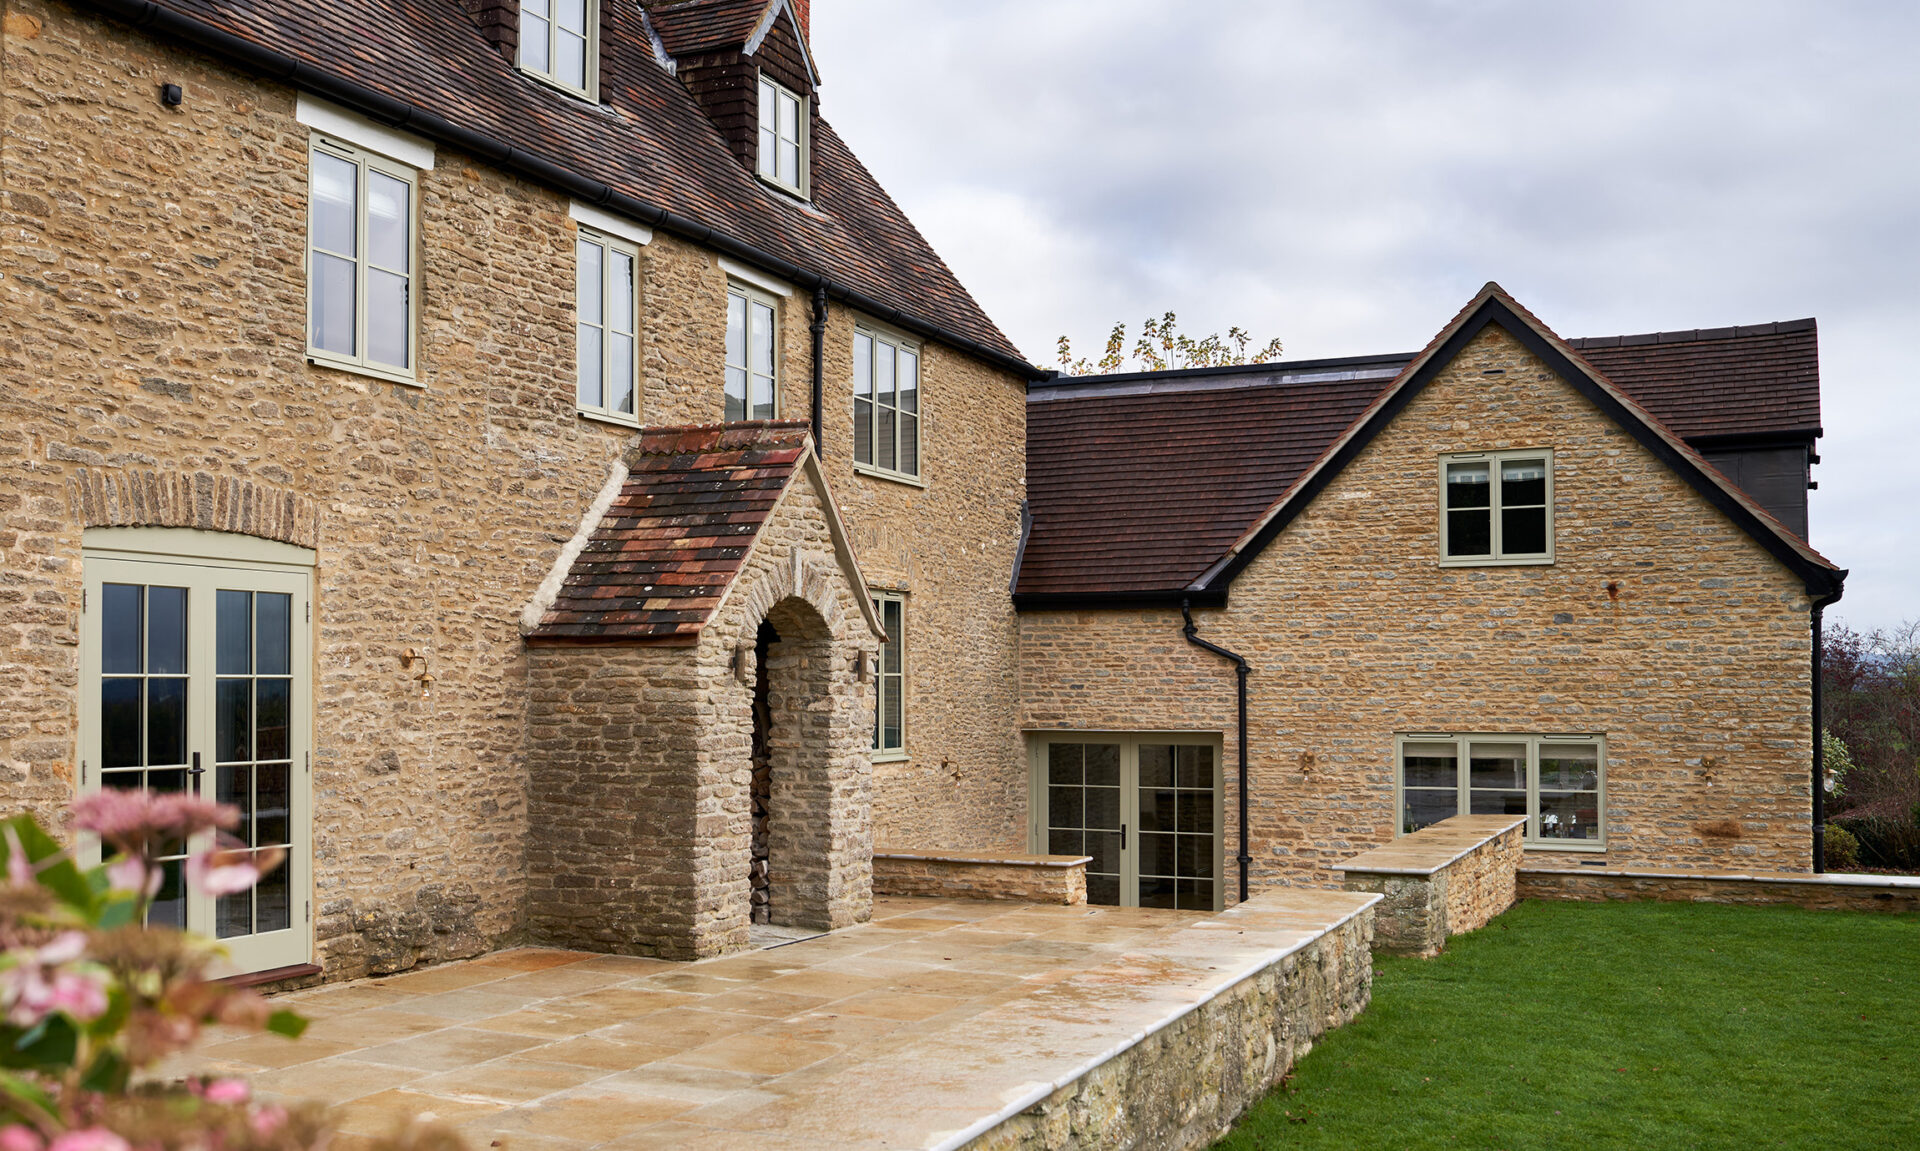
(1658,1025)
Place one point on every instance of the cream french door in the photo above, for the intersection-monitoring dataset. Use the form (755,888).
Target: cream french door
(1146,808)
(196,678)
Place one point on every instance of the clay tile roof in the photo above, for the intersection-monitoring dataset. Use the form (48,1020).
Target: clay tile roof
(1762,379)
(660,559)
(706,25)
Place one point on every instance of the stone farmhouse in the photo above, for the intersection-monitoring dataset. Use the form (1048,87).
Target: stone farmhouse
(515,452)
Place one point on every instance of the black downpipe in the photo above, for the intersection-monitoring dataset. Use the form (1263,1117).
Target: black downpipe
(1819,750)
(819,328)
(1240,671)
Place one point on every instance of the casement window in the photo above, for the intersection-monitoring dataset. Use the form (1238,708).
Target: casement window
(886,403)
(607,349)
(1497,508)
(558,43)
(783,137)
(362,286)
(1145,807)
(752,355)
(1557,781)
(196,678)
(890,705)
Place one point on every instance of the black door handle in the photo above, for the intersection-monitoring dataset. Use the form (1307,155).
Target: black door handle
(196,771)
(1123,834)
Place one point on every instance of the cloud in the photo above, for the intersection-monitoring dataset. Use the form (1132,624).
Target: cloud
(1346,175)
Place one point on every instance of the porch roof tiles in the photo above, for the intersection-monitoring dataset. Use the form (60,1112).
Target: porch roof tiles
(660,559)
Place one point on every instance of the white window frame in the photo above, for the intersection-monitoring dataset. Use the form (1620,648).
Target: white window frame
(897,688)
(751,296)
(1129,741)
(590,90)
(900,345)
(766,161)
(360,362)
(608,245)
(1462,742)
(1498,556)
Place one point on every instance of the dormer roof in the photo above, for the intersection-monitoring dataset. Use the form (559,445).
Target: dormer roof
(694,27)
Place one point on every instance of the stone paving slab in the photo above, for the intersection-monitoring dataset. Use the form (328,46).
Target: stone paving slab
(920,1029)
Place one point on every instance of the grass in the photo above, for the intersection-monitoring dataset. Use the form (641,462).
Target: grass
(1659,1025)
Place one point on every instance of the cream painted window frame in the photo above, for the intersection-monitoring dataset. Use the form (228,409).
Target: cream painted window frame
(359,363)
(607,244)
(1462,742)
(752,295)
(197,553)
(1494,459)
(1129,741)
(899,343)
(591,89)
(880,676)
(802,125)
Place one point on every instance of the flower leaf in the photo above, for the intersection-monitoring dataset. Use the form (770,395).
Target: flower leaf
(287,1023)
(21,1095)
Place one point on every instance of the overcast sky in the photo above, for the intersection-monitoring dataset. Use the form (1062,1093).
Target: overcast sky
(1346,176)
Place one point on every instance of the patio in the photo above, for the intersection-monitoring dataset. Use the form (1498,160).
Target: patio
(935,1025)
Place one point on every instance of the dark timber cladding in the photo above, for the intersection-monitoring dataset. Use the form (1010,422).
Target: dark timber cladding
(1139,485)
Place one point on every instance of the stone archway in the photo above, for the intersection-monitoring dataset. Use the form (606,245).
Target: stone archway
(794,816)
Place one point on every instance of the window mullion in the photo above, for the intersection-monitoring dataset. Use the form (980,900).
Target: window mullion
(361,252)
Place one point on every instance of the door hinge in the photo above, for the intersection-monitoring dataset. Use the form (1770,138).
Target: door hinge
(83,773)
(309,611)
(83,601)
(309,911)
(309,759)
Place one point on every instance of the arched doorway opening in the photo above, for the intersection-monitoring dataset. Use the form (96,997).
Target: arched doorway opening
(789,863)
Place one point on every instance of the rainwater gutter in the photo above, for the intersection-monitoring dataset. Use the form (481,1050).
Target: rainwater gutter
(396,113)
(1192,633)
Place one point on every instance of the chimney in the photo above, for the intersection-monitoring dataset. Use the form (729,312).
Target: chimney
(800,13)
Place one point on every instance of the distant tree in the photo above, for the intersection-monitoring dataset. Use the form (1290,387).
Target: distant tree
(1161,346)
(1872,709)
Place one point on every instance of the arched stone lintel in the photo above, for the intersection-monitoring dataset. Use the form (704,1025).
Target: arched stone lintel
(180,499)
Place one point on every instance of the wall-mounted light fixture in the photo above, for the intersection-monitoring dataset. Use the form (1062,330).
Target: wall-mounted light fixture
(171,95)
(742,662)
(426,679)
(1306,763)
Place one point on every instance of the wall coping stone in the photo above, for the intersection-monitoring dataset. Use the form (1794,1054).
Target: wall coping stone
(1833,879)
(1434,848)
(997,859)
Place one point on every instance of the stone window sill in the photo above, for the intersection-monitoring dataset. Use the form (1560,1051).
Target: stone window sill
(895,477)
(323,361)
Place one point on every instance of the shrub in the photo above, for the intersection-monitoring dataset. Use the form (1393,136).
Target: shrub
(1842,849)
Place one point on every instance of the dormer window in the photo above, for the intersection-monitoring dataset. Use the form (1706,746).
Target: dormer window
(783,137)
(557,43)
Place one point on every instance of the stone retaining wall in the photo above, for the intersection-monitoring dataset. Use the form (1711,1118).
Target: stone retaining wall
(1442,880)
(1899,893)
(972,875)
(1184,1085)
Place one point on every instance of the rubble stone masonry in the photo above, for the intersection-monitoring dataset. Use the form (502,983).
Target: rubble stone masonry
(153,371)
(1660,624)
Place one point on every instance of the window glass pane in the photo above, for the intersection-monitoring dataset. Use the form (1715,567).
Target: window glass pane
(273,896)
(571,15)
(883,374)
(166,722)
(271,717)
(863,431)
(769,150)
(1498,802)
(768,124)
(891,623)
(1468,486)
(1498,765)
(589,354)
(273,631)
(1159,810)
(1064,808)
(862,364)
(1194,766)
(761,336)
(1065,763)
(1431,765)
(1523,482)
(120,722)
(1104,846)
(387,219)
(588,276)
(272,817)
(1428,805)
(1196,812)
(120,628)
(789,117)
(1103,807)
(533,39)
(1103,765)
(620,376)
(1159,891)
(1196,856)
(789,172)
(736,406)
(885,439)
(1570,815)
(233,632)
(762,398)
(1523,531)
(333,304)
(387,327)
(1569,767)
(1066,841)
(169,908)
(737,332)
(233,915)
(335,203)
(891,718)
(1157,854)
(619,291)
(233,785)
(1103,890)
(1156,765)
(909,375)
(536,8)
(570,60)
(233,721)
(1196,894)
(909,444)
(166,631)
(1469,533)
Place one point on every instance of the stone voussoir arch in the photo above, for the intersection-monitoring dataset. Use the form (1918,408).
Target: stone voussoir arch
(164,498)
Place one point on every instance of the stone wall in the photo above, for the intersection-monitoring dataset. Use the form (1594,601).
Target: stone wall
(152,318)
(1896,893)
(1443,880)
(1184,1085)
(1660,625)
(964,875)
(641,766)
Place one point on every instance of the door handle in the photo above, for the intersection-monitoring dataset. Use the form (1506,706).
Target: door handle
(196,771)
(1123,831)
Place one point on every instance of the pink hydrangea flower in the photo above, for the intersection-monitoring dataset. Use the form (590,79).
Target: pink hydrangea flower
(91,1139)
(265,1121)
(231,868)
(227,1091)
(36,986)
(131,873)
(130,819)
(18,1138)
